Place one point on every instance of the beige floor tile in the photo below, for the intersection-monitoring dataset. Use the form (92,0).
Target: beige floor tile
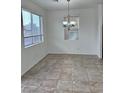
(96,87)
(66,76)
(64,85)
(81,86)
(80,92)
(96,77)
(41,90)
(53,75)
(29,89)
(60,73)
(63,91)
(49,84)
(31,82)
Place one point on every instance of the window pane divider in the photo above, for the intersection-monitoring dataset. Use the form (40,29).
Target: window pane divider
(33,36)
(31,27)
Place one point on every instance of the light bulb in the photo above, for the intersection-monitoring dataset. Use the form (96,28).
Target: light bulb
(65,22)
(73,23)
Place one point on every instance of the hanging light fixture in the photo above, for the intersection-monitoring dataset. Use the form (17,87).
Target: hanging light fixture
(68,20)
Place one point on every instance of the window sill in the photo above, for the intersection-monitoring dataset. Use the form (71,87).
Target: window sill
(33,45)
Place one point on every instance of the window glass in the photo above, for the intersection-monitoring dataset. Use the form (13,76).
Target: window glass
(28,41)
(36,24)
(26,20)
(32,28)
(36,39)
(73,35)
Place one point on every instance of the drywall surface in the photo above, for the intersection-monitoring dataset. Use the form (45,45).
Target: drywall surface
(87,43)
(32,55)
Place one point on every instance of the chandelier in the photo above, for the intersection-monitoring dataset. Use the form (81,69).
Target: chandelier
(69,22)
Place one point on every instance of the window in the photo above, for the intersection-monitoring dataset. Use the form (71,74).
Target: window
(32,28)
(71,35)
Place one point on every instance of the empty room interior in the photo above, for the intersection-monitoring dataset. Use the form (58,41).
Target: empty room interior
(61,46)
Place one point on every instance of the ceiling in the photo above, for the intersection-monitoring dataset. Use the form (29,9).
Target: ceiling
(62,4)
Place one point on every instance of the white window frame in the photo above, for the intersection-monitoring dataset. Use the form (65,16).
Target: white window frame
(41,33)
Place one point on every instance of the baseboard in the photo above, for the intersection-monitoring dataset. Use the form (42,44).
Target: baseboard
(93,55)
(70,54)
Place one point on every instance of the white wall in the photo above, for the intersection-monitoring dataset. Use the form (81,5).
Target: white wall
(87,43)
(32,55)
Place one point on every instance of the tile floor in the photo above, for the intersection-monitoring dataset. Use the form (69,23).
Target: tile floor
(59,73)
